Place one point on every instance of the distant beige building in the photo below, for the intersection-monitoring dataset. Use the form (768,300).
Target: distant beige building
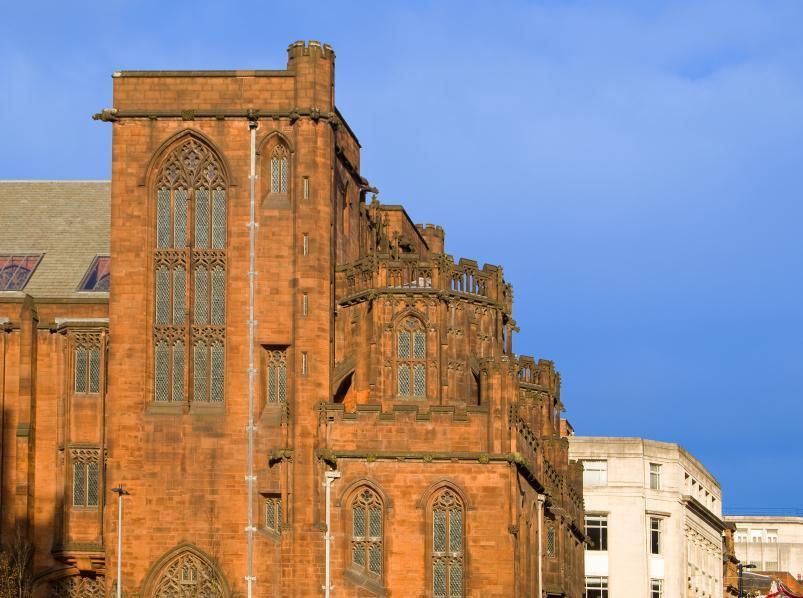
(770,543)
(653,513)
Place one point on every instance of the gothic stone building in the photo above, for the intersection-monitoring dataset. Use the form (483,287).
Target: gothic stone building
(376,356)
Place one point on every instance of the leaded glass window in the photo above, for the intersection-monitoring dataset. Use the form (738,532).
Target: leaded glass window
(279,174)
(447,545)
(276,382)
(411,356)
(273,513)
(550,541)
(190,275)
(86,477)
(87,365)
(366,532)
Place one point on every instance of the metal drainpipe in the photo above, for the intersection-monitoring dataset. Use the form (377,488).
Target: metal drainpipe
(541,499)
(329,478)
(250,477)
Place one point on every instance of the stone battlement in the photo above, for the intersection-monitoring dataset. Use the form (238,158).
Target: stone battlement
(312,48)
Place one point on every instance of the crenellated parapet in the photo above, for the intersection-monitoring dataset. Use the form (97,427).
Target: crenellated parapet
(437,274)
(311,48)
(539,375)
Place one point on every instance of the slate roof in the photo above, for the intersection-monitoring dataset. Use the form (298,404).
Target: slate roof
(67,221)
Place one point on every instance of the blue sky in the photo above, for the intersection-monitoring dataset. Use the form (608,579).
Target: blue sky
(634,166)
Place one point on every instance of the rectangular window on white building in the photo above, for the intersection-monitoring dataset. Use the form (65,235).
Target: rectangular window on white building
(756,535)
(655,535)
(771,566)
(740,537)
(772,536)
(597,531)
(655,476)
(656,588)
(595,472)
(596,587)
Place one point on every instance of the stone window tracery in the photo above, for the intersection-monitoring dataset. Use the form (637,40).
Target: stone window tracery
(86,477)
(411,357)
(190,276)
(188,575)
(273,513)
(367,533)
(86,363)
(279,174)
(78,587)
(276,382)
(447,545)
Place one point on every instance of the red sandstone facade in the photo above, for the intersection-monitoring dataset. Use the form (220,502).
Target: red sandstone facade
(377,355)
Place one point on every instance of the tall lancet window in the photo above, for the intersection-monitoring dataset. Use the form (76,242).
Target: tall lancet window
(190,276)
(447,546)
(279,170)
(411,359)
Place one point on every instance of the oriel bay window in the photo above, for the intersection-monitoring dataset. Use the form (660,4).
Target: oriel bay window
(86,364)
(85,477)
(190,276)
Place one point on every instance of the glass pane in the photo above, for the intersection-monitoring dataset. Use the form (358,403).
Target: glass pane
(270,514)
(439,531)
(359,522)
(404,380)
(92,484)
(456,579)
(180,222)
(218,296)
(271,384)
(79,484)
(162,295)
(419,380)
(404,345)
(202,218)
(419,345)
(179,293)
(282,383)
(456,531)
(218,372)
(439,579)
(274,175)
(178,371)
(201,373)
(80,369)
(218,218)
(163,218)
(284,175)
(94,369)
(375,558)
(201,296)
(160,372)
(358,554)
(375,522)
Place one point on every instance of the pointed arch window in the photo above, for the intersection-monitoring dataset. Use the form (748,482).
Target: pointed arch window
(279,173)
(190,276)
(448,553)
(411,359)
(367,533)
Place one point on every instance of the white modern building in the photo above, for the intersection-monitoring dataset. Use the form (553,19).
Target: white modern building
(770,543)
(654,516)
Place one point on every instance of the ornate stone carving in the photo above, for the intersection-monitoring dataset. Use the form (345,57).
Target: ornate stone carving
(187,575)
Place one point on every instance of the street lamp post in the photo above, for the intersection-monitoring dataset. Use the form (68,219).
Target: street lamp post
(740,567)
(120,492)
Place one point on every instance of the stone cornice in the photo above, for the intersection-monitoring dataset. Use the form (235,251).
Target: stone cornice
(292,114)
